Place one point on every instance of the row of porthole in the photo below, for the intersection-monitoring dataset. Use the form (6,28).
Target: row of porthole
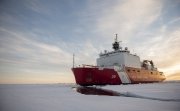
(139,71)
(133,70)
(155,73)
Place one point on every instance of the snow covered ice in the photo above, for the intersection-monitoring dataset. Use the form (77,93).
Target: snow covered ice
(63,97)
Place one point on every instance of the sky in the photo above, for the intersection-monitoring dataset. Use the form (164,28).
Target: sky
(38,37)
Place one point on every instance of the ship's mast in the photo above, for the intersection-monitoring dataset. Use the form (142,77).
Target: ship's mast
(116,44)
(73,60)
(116,38)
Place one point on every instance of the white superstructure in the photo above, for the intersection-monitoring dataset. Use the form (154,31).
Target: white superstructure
(122,57)
(117,58)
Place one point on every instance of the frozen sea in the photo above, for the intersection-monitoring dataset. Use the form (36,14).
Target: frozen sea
(70,97)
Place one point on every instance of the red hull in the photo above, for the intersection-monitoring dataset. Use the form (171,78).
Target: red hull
(95,76)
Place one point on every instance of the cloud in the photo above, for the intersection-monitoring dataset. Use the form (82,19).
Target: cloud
(19,54)
(171,69)
(175,76)
(128,17)
(38,7)
(174,21)
(140,25)
(163,48)
(34,50)
(25,57)
(87,53)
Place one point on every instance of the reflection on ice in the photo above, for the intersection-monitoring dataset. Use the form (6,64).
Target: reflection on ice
(100,91)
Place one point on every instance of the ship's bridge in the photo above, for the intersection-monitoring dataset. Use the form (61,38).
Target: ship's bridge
(118,57)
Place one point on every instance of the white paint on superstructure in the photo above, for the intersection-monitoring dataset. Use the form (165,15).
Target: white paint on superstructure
(118,58)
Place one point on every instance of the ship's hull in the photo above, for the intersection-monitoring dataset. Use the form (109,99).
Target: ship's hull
(108,76)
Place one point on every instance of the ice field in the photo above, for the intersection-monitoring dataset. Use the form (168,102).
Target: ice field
(71,97)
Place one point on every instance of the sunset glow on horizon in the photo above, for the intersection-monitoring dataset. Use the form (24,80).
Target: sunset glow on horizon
(39,37)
